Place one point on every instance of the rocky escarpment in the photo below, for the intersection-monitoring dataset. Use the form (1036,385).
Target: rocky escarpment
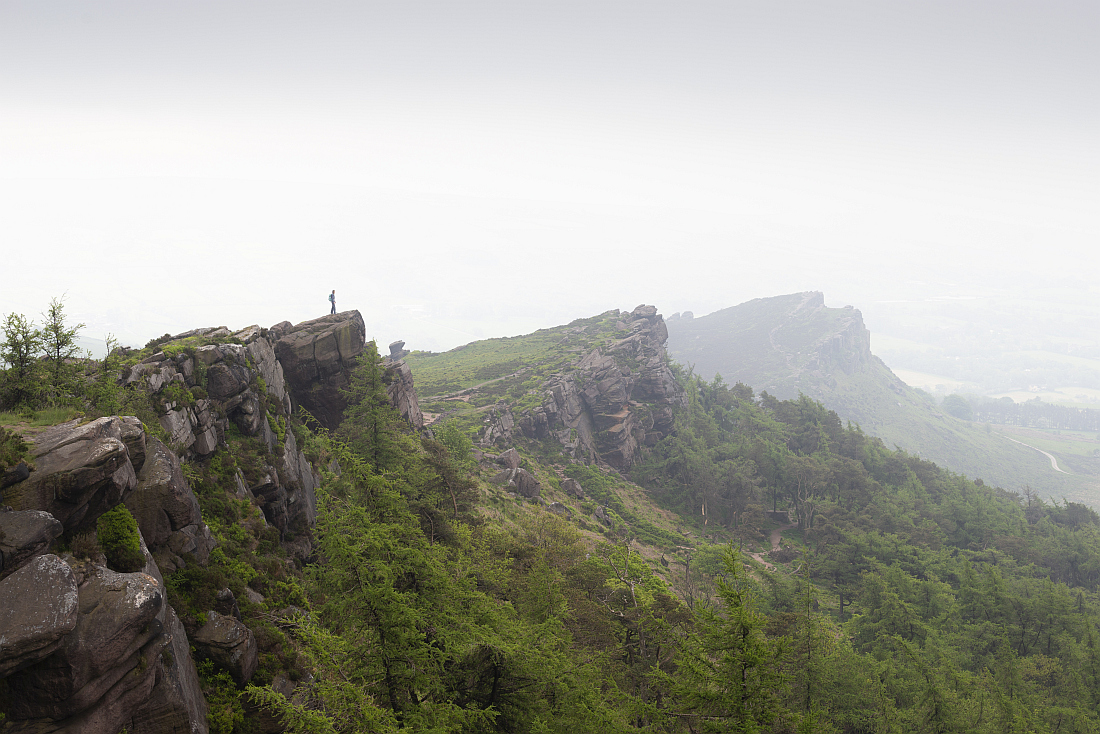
(317,357)
(88,648)
(784,344)
(206,389)
(612,401)
(84,648)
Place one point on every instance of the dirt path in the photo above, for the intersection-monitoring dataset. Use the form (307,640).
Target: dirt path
(776,538)
(1053,461)
(475,388)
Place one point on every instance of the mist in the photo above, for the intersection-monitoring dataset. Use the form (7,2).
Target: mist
(461,172)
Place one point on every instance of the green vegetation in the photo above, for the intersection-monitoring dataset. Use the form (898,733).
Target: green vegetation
(959,407)
(792,345)
(509,368)
(13,449)
(904,598)
(118,537)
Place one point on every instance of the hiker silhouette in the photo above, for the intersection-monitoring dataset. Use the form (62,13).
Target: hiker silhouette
(332,300)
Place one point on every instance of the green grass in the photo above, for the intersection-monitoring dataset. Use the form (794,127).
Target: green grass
(510,369)
(44,417)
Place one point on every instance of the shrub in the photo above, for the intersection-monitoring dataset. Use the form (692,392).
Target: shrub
(117,533)
(13,449)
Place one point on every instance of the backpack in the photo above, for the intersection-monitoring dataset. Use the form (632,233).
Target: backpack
(332,298)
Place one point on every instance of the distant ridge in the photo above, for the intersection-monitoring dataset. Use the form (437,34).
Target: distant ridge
(791,344)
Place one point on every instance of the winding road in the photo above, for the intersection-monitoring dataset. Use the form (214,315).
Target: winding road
(1053,461)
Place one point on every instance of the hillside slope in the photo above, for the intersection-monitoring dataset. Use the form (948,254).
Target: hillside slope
(794,343)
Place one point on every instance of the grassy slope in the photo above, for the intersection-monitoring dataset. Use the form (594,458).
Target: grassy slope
(485,372)
(480,374)
(738,344)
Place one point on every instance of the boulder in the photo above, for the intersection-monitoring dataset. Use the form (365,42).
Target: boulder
(103,669)
(572,488)
(526,484)
(14,475)
(24,535)
(559,509)
(317,357)
(82,471)
(503,477)
(39,609)
(509,459)
(226,603)
(230,644)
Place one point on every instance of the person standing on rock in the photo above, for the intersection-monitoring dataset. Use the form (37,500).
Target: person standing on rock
(332,300)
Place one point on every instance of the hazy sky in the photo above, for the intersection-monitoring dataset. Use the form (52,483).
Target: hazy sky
(462,170)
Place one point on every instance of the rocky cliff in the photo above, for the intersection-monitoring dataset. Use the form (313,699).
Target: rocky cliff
(787,345)
(84,648)
(599,387)
(88,648)
(616,399)
(317,357)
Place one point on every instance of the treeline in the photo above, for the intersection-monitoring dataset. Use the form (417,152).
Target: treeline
(963,607)
(922,600)
(1034,414)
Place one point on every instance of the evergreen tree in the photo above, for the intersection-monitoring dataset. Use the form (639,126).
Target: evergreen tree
(730,677)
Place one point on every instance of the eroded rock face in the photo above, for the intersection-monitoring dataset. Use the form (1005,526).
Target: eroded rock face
(176,704)
(166,508)
(96,665)
(613,402)
(402,393)
(102,670)
(317,357)
(80,644)
(228,373)
(82,471)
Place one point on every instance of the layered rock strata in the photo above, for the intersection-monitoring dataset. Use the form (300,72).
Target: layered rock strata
(82,646)
(613,401)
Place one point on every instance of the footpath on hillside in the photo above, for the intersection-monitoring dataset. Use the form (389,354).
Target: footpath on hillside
(776,538)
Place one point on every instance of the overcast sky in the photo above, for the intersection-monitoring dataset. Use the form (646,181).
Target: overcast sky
(463,170)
